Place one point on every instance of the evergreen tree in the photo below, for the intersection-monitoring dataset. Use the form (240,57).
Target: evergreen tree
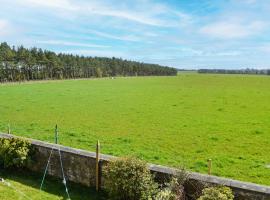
(21,64)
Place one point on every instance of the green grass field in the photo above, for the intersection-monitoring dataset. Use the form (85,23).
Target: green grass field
(182,120)
(25,185)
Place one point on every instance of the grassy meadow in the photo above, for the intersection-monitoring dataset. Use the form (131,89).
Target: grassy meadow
(175,121)
(26,186)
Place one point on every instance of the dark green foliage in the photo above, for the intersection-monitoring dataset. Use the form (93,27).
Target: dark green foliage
(181,176)
(236,71)
(217,193)
(173,189)
(21,64)
(129,178)
(15,152)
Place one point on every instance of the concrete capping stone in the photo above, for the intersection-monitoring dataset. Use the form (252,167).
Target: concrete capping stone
(238,185)
(84,153)
(214,179)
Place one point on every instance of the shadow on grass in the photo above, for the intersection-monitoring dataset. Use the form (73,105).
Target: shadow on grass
(52,185)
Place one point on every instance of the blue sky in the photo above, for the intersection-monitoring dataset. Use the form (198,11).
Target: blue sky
(179,33)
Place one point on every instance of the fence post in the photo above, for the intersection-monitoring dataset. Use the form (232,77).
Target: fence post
(56,134)
(97,165)
(209,166)
(9,131)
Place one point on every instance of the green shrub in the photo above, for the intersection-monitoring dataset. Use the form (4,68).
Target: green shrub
(15,152)
(129,179)
(217,193)
(165,194)
(181,176)
(174,189)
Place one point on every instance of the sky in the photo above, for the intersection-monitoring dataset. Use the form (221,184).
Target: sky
(188,34)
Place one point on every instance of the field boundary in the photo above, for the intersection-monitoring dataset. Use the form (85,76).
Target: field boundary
(79,166)
(76,79)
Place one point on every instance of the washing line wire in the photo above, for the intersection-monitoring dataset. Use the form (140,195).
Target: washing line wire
(63,174)
(62,170)
(46,169)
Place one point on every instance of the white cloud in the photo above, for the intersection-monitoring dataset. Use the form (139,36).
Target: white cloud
(3,24)
(65,43)
(148,13)
(5,28)
(248,1)
(265,48)
(57,4)
(231,30)
(128,15)
(185,19)
(132,38)
(99,53)
(228,53)
(140,11)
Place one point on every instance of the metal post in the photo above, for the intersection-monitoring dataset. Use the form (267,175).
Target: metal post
(56,134)
(97,165)
(209,166)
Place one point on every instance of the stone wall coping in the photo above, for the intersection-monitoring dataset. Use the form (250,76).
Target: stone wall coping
(214,179)
(156,168)
(103,157)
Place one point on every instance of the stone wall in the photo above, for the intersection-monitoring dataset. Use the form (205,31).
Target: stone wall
(242,190)
(79,167)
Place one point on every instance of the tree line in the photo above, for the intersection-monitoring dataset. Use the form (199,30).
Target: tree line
(236,71)
(22,64)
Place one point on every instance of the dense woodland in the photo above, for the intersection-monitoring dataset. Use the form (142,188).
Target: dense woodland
(22,64)
(236,71)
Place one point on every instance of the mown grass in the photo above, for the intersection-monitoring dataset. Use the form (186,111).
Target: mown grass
(25,185)
(173,121)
